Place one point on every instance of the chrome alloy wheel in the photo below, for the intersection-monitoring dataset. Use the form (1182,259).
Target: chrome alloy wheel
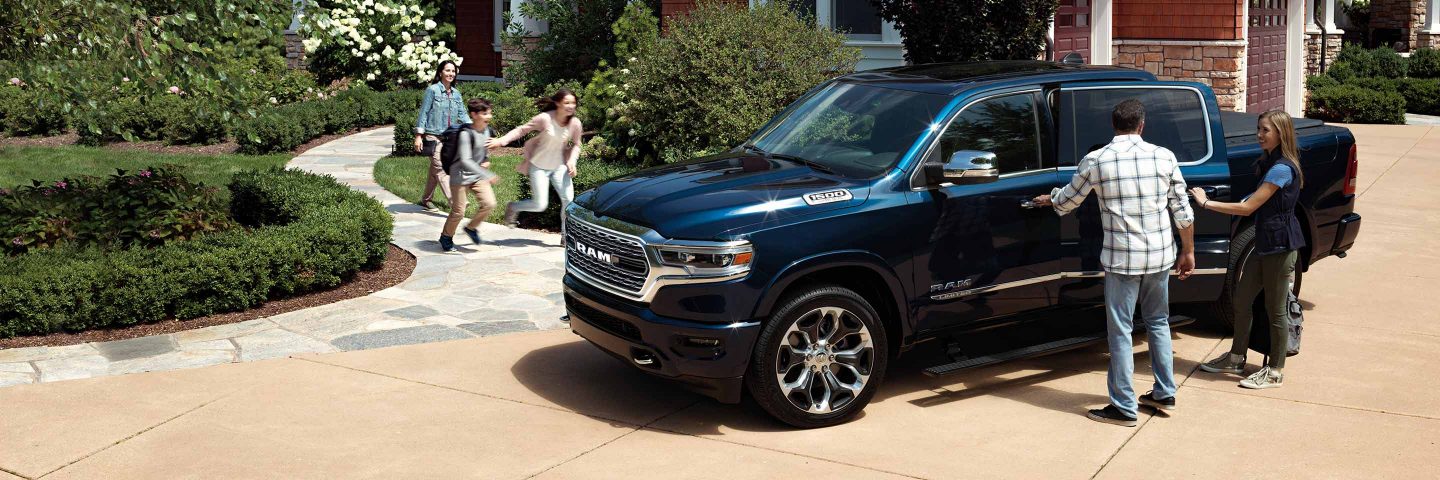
(825,360)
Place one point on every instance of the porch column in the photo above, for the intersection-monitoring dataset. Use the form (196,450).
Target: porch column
(1330,9)
(1310,25)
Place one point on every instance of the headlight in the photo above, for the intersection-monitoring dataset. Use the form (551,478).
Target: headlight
(700,261)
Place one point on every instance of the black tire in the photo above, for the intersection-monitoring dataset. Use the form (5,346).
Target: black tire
(1242,250)
(815,306)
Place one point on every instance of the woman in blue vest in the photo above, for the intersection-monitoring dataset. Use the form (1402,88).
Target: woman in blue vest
(441,109)
(1277,239)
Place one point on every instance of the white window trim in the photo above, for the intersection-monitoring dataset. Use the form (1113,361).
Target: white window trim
(499,23)
(889,35)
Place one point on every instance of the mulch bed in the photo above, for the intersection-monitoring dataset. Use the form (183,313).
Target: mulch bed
(397,267)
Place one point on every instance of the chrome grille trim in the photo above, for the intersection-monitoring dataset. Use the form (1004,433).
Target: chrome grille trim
(631,269)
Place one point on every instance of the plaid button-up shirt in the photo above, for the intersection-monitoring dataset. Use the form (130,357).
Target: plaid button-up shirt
(1137,183)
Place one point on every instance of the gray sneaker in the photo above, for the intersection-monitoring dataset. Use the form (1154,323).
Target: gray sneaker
(1265,378)
(1223,364)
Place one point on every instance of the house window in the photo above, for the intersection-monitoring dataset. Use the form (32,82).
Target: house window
(857,18)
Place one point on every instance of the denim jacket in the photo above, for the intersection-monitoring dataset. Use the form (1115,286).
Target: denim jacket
(440,110)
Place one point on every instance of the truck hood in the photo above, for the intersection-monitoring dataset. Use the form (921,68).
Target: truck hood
(702,198)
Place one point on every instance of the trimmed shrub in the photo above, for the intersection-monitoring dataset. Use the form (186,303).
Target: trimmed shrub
(1376,83)
(1386,63)
(1424,63)
(1341,72)
(310,232)
(30,111)
(283,128)
(1320,81)
(1422,95)
(151,207)
(1357,59)
(739,66)
(1352,104)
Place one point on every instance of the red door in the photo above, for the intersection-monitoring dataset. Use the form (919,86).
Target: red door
(1072,29)
(475,37)
(1265,76)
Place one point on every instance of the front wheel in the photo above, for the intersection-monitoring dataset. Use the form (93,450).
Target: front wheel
(819,359)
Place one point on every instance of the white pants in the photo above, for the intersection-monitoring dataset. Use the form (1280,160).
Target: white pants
(559,179)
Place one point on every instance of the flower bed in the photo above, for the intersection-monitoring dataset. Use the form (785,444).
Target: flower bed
(302,232)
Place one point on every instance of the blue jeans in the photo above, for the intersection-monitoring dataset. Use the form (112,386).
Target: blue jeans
(1153,293)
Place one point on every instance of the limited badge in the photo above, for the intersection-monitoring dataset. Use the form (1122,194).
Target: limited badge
(832,196)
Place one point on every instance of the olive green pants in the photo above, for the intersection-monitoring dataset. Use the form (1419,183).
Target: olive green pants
(1272,273)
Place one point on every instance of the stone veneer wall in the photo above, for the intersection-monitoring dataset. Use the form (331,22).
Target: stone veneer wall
(1217,63)
(1406,15)
(295,51)
(1312,52)
(510,54)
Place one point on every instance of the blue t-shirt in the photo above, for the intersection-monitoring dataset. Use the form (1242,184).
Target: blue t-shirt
(1280,175)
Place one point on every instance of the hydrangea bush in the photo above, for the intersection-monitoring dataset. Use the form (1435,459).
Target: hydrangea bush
(385,43)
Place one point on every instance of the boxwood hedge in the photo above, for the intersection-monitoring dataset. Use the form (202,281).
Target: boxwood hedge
(302,232)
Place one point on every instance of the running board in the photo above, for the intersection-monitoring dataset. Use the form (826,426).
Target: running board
(1033,351)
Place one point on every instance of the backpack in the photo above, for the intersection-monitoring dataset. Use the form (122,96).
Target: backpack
(1260,332)
(450,145)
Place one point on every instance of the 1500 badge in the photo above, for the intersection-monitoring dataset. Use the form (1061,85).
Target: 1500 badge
(832,196)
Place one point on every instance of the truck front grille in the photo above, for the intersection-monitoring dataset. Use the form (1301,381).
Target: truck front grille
(616,259)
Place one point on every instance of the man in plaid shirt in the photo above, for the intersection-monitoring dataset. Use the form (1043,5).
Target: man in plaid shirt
(1137,183)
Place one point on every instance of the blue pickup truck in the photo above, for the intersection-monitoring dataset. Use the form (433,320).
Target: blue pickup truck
(889,207)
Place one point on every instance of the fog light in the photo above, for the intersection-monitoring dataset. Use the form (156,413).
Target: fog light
(702,342)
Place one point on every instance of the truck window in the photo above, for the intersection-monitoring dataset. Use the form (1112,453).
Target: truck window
(1007,126)
(1174,118)
(857,130)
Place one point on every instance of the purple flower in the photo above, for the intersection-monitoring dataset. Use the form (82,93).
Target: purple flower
(61,184)
(174,90)
(15,81)
(145,173)
(4,191)
(155,233)
(17,241)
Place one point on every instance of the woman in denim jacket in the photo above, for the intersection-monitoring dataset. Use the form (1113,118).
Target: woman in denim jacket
(441,109)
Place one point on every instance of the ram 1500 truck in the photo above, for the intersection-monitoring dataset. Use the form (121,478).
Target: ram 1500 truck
(888,207)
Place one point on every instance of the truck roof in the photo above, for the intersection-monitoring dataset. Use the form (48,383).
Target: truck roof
(951,78)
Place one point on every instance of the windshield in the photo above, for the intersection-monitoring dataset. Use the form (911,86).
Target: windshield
(854,130)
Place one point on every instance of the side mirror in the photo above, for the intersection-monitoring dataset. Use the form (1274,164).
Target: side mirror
(965,167)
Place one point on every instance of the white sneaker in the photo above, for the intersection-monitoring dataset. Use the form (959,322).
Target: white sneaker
(1265,378)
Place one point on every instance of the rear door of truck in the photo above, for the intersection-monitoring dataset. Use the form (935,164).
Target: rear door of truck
(1180,116)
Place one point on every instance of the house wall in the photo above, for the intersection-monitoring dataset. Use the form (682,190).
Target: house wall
(1402,17)
(1179,20)
(475,37)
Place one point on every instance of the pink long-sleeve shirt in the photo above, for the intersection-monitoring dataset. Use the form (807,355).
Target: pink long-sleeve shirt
(554,146)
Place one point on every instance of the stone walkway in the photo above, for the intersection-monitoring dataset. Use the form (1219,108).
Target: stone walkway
(509,284)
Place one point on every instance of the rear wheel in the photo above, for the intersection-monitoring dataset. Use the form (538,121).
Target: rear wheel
(819,359)
(1242,252)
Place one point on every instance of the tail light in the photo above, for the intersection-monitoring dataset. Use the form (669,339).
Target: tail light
(1351,171)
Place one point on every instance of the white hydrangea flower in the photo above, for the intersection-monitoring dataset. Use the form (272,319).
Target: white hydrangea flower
(405,36)
(389,52)
(372,30)
(430,25)
(369,76)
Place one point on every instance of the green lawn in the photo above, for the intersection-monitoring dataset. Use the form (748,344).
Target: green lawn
(405,177)
(20,165)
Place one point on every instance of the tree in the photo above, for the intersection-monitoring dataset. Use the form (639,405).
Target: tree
(722,71)
(969,30)
(579,39)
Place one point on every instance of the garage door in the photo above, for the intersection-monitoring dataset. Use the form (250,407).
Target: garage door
(1072,29)
(1265,82)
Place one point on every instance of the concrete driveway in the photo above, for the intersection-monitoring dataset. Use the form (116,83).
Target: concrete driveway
(1357,403)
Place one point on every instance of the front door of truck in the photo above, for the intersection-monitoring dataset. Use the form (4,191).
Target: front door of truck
(1179,116)
(990,252)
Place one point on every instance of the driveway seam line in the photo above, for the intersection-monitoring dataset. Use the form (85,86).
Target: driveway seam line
(1397,162)
(136,434)
(17,474)
(1132,436)
(1345,407)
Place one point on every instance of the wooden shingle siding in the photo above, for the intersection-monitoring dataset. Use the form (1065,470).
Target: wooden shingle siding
(1179,19)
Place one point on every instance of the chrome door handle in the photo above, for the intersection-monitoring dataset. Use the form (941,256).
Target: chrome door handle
(1030,204)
